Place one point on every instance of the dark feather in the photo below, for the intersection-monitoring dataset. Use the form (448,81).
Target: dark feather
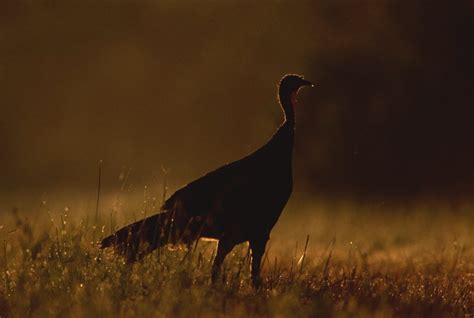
(238,202)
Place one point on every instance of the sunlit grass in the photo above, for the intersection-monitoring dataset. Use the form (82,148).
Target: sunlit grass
(355,264)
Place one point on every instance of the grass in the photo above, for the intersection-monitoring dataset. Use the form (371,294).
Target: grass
(326,261)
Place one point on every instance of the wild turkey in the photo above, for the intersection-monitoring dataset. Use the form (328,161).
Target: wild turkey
(238,202)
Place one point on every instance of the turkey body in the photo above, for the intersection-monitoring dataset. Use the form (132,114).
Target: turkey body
(238,202)
(241,200)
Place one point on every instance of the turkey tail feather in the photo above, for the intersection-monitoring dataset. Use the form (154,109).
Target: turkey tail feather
(136,240)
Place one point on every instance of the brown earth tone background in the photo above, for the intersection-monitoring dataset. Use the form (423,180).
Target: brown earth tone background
(191,85)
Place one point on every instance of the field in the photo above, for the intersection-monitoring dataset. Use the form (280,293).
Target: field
(323,260)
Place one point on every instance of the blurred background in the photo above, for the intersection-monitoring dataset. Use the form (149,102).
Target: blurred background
(190,85)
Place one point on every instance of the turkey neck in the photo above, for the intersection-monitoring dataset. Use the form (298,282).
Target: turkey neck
(288,108)
(286,131)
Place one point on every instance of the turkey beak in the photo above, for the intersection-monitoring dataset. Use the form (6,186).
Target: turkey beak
(308,83)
